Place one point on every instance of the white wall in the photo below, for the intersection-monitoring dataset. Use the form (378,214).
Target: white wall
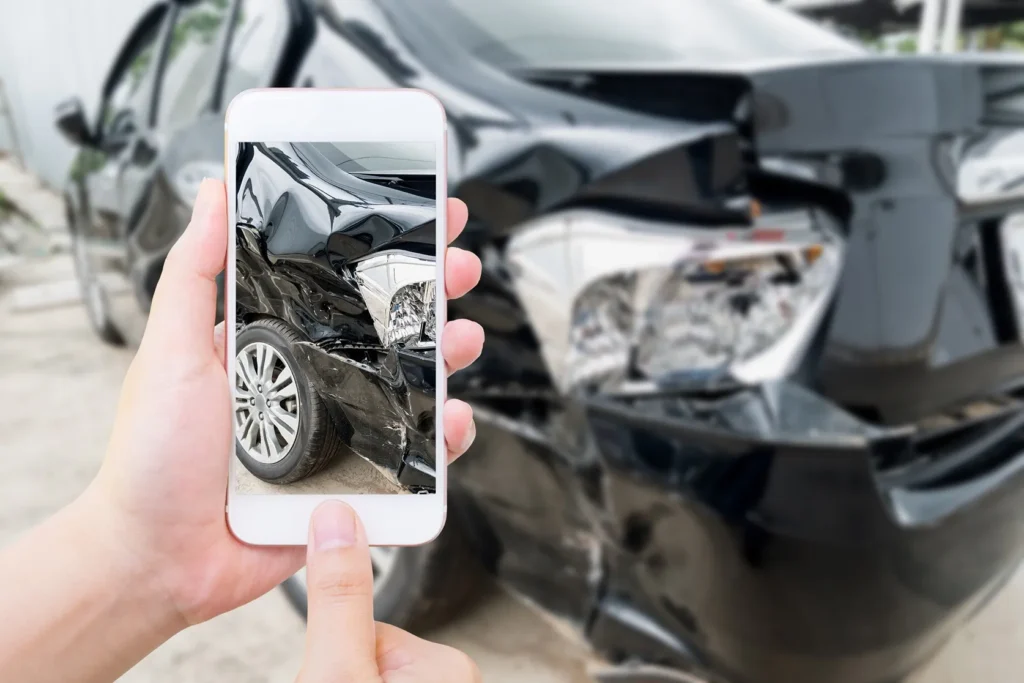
(49,50)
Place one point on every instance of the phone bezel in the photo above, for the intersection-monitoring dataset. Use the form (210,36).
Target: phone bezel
(335,115)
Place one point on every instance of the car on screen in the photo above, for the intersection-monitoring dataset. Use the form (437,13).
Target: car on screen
(334,302)
(753,385)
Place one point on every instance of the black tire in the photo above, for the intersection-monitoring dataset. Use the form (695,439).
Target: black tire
(94,296)
(428,585)
(317,441)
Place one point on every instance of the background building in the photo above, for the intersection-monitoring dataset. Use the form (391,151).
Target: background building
(81,39)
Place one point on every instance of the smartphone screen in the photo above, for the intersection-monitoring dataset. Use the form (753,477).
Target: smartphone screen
(334,312)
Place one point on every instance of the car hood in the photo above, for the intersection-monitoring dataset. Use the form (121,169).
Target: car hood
(352,186)
(800,105)
(533,141)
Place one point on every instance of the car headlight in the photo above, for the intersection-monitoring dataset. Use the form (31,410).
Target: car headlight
(614,300)
(398,288)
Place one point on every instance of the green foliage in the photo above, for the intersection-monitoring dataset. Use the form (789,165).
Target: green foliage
(199,25)
(907,45)
(88,160)
(8,208)
(1002,37)
(1013,36)
(137,69)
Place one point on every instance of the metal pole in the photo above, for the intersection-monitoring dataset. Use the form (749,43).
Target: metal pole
(951,28)
(931,10)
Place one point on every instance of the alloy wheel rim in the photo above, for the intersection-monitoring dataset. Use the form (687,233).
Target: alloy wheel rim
(266,403)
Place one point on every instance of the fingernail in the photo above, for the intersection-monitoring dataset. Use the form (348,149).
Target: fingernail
(203,199)
(334,526)
(469,436)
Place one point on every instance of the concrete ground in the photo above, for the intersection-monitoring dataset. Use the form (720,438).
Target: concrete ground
(347,474)
(52,365)
(52,368)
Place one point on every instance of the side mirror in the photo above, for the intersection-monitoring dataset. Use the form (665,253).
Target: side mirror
(70,119)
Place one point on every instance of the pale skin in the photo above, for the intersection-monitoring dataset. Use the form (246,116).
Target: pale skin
(145,550)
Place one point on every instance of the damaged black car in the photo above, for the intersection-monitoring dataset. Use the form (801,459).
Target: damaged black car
(751,404)
(334,301)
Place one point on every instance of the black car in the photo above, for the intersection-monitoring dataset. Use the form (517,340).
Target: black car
(750,404)
(334,303)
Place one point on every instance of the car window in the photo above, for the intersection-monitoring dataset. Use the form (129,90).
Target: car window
(190,70)
(256,43)
(126,104)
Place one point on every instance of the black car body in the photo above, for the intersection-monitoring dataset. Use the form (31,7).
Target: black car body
(305,229)
(820,477)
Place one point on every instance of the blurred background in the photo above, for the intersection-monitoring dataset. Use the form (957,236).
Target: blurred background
(597,561)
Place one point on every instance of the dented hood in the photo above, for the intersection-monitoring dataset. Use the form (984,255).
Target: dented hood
(798,105)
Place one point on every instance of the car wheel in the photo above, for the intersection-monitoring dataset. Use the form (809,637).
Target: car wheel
(283,431)
(415,588)
(94,296)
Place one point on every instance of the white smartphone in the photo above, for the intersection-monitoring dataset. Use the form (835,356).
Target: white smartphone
(334,306)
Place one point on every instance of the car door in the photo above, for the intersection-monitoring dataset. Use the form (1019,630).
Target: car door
(125,106)
(216,48)
(181,144)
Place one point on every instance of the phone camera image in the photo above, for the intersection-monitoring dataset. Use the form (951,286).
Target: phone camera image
(335,318)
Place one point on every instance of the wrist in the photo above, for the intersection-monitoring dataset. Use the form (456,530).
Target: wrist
(120,562)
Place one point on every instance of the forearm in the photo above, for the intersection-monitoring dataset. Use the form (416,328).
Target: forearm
(72,605)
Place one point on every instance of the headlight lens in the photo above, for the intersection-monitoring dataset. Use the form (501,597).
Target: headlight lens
(601,334)
(411,318)
(398,289)
(696,318)
(688,305)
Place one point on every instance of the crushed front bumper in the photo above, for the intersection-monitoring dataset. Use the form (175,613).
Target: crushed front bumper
(764,539)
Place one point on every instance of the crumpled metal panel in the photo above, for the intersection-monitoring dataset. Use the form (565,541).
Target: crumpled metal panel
(302,228)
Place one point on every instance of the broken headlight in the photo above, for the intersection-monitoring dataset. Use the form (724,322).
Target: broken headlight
(616,301)
(399,292)
(699,317)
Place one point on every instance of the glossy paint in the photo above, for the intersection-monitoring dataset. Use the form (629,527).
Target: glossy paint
(879,503)
(301,227)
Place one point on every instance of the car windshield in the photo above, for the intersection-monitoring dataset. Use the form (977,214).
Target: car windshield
(518,34)
(398,158)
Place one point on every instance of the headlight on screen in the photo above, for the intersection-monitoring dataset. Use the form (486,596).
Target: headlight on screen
(643,303)
(398,289)
(411,317)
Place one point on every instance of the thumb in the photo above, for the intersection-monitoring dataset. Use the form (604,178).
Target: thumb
(341,642)
(185,303)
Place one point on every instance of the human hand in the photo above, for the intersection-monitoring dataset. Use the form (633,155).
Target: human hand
(343,643)
(161,490)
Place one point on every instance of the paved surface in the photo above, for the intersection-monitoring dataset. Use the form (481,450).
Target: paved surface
(32,196)
(52,370)
(52,367)
(347,474)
